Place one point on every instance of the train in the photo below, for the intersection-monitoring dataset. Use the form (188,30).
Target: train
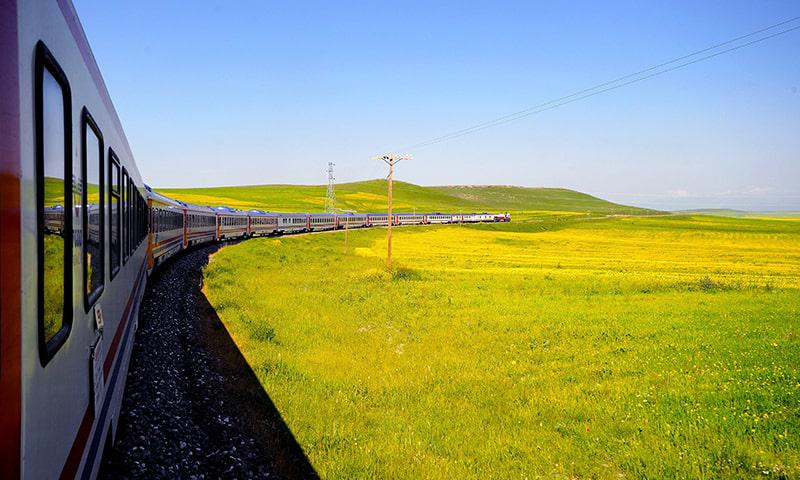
(175,225)
(80,234)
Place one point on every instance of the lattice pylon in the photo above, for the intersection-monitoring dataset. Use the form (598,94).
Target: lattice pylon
(330,196)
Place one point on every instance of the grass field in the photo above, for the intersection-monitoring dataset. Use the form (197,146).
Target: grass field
(370,196)
(625,347)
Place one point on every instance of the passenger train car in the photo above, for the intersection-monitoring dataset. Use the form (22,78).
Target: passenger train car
(79,234)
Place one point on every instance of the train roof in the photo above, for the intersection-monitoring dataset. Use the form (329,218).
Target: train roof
(153,195)
(198,208)
(255,211)
(228,210)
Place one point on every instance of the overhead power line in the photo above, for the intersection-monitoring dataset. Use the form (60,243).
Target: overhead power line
(618,82)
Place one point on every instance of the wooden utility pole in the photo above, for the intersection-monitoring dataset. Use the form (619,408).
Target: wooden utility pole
(390,160)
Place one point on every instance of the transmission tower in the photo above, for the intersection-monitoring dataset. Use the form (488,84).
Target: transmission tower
(330,196)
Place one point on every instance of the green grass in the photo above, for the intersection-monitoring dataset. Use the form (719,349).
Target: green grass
(53,300)
(656,347)
(370,196)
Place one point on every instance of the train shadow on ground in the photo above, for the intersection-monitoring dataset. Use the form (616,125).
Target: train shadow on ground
(193,407)
(258,413)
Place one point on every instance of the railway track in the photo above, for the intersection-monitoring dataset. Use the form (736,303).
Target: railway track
(192,406)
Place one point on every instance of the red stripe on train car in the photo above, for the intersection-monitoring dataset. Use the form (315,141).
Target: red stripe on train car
(164,242)
(79,444)
(112,350)
(10,322)
(76,452)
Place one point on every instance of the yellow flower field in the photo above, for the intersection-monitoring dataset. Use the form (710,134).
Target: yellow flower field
(626,347)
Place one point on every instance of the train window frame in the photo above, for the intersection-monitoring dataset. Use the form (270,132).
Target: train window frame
(123,233)
(134,217)
(45,61)
(88,124)
(131,216)
(113,192)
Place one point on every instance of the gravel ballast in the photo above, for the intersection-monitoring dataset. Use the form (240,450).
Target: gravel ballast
(192,406)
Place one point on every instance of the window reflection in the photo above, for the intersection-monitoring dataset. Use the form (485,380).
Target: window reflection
(93,247)
(53,140)
(114,243)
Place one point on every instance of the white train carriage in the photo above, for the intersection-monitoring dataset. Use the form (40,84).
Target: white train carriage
(201,224)
(231,223)
(351,220)
(409,219)
(485,217)
(167,228)
(377,219)
(438,218)
(54,219)
(292,222)
(71,278)
(262,223)
(322,221)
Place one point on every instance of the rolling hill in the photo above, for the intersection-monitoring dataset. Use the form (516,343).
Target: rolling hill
(370,196)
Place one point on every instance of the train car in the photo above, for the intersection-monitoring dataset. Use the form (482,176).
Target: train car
(503,217)
(167,228)
(377,219)
(231,223)
(54,219)
(72,249)
(351,220)
(322,221)
(409,219)
(438,218)
(292,222)
(201,224)
(262,223)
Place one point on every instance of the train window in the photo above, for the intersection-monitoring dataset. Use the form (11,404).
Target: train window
(54,203)
(131,216)
(123,234)
(114,213)
(92,208)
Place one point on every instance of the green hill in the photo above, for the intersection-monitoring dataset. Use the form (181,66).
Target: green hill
(370,196)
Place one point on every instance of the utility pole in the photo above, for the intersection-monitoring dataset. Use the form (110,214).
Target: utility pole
(390,159)
(330,196)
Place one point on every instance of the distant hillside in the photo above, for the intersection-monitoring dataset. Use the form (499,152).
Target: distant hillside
(727,212)
(370,196)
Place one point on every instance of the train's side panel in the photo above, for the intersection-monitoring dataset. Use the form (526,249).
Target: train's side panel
(201,225)
(72,398)
(232,225)
(167,228)
(10,323)
(262,224)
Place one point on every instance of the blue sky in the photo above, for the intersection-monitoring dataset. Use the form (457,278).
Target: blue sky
(252,92)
